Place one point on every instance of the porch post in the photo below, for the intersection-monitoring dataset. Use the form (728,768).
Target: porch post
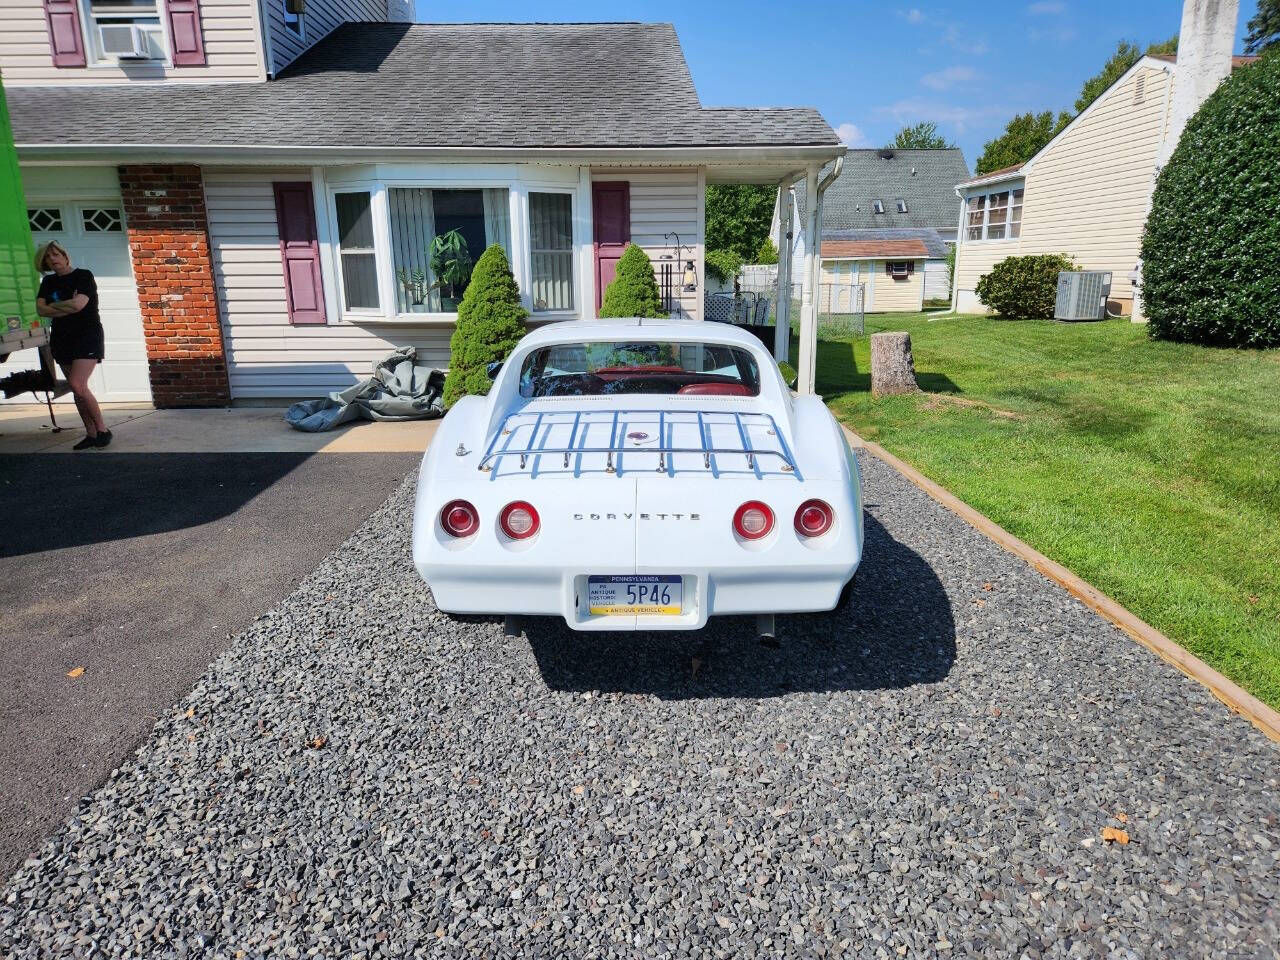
(809,305)
(782,310)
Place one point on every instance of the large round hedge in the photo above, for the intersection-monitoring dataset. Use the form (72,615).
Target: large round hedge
(1211,251)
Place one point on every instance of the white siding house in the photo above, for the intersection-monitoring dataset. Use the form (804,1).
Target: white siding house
(228,32)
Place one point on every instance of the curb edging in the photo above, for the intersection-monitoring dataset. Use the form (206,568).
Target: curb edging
(1235,698)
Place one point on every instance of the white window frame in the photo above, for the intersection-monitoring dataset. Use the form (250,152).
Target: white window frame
(877,207)
(526,216)
(363,313)
(1010,206)
(89,31)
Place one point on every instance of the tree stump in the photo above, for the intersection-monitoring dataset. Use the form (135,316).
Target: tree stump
(892,370)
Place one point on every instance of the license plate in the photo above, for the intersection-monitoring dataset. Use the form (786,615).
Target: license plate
(638,594)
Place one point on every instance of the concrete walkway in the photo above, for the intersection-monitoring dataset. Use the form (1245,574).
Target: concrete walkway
(143,429)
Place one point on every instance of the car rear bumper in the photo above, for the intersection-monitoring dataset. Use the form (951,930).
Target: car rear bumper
(707,592)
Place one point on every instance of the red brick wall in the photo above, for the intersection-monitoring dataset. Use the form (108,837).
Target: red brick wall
(169,242)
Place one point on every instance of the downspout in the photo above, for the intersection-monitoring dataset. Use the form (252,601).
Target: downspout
(806,382)
(955,261)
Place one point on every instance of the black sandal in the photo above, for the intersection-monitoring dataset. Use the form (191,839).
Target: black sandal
(102,439)
(88,442)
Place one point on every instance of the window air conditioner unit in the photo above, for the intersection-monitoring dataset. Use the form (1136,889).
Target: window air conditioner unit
(126,41)
(1082,295)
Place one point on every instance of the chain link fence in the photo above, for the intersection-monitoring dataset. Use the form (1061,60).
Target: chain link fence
(841,313)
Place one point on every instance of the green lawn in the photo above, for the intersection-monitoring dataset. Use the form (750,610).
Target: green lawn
(1152,470)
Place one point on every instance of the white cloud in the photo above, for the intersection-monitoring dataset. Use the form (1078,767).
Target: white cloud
(1046,8)
(961,119)
(914,16)
(964,39)
(851,135)
(948,78)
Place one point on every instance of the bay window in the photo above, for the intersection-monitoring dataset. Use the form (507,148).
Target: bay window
(994,216)
(551,250)
(404,249)
(356,250)
(436,238)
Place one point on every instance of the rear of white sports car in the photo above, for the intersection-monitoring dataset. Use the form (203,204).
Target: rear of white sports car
(626,477)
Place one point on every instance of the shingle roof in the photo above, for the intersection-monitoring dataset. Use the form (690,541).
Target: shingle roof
(865,249)
(890,242)
(1012,168)
(926,179)
(431,85)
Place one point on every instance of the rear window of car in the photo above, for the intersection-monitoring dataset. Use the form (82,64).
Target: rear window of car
(639,367)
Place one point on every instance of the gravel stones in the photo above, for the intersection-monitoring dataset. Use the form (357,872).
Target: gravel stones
(928,774)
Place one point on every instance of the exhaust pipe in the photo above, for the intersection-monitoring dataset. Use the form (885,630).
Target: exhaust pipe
(766,629)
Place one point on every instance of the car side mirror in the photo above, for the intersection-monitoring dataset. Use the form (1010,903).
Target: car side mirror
(493,368)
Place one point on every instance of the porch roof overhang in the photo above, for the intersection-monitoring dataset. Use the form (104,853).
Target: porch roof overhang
(756,163)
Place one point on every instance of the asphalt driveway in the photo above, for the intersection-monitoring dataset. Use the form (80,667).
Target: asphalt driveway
(928,775)
(138,568)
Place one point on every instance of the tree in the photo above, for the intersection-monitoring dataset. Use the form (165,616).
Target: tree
(634,291)
(1264,28)
(1126,55)
(723,265)
(490,324)
(1212,239)
(738,217)
(768,252)
(1022,139)
(923,136)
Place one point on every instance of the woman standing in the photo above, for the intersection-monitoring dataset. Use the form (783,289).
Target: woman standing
(69,298)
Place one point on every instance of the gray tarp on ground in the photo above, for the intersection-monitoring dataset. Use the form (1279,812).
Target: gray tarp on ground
(400,389)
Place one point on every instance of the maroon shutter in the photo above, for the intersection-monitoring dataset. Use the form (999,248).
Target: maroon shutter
(888,268)
(610,229)
(66,42)
(185,36)
(300,251)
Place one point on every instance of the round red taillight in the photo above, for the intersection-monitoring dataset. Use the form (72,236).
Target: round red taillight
(753,520)
(459,518)
(814,518)
(519,520)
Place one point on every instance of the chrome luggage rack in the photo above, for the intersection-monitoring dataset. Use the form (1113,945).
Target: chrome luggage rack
(543,423)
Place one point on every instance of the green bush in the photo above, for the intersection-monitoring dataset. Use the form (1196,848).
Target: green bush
(768,252)
(1212,240)
(634,291)
(1024,287)
(723,265)
(490,324)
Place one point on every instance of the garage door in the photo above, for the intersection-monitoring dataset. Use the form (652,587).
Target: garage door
(84,214)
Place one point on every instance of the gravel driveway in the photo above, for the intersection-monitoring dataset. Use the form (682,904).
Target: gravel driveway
(929,775)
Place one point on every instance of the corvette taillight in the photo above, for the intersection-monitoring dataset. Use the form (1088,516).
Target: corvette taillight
(753,520)
(519,520)
(459,519)
(813,518)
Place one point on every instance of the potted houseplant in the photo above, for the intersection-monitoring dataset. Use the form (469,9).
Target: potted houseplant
(415,289)
(451,263)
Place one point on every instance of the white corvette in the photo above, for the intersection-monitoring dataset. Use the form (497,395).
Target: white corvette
(638,475)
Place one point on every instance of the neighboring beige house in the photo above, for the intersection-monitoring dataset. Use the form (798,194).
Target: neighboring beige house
(1088,191)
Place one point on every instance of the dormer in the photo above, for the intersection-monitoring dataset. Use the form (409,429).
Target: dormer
(95,42)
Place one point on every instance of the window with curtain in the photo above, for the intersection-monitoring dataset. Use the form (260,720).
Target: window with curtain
(551,250)
(356,250)
(977,211)
(466,223)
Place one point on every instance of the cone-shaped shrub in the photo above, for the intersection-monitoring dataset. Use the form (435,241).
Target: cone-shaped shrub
(634,292)
(490,324)
(1212,241)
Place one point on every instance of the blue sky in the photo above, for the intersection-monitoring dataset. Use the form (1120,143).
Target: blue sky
(873,67)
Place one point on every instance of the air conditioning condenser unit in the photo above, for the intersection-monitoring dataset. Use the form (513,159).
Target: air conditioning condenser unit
(1082,295)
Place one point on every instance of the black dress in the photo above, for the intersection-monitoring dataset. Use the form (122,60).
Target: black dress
(75,336)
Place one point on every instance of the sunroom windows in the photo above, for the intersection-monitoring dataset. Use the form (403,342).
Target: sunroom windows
(994,216)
